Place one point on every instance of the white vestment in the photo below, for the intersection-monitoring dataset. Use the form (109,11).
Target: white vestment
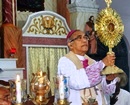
(123,98)
(70,67)
(78,79)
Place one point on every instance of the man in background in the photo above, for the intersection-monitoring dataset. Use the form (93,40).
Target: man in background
(120,96)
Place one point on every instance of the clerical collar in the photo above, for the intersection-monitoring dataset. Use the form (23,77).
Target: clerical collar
(80,57)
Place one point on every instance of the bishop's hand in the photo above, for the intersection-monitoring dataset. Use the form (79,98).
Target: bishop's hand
(109,60)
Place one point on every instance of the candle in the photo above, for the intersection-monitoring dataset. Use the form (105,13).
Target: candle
(61,87)
(18,89)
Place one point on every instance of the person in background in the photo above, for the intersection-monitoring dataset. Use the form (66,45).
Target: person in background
(4,96)
(83,72)
(120,96)
(90,32)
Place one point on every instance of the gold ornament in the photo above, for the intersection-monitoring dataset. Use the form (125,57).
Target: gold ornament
(62,102)
(40,86)
(112,70)
(108,2)
(48,22)
(109,27)
(44,25)
(110,30)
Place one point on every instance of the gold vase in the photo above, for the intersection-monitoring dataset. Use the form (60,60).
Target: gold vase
(40,86)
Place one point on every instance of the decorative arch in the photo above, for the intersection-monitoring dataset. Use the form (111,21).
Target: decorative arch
(45,23)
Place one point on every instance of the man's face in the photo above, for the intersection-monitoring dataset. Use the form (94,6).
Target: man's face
(78,43)
(111,77)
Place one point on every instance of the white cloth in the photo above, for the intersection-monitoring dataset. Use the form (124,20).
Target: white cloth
(109,88)
(123,98)
(78,78)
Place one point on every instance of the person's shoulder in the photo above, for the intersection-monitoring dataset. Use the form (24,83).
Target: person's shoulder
(125,92)
(64,59)
(65,62)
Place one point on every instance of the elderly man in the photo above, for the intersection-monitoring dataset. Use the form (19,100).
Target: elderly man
(83,72)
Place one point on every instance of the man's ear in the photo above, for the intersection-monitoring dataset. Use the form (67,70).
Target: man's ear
(70,45)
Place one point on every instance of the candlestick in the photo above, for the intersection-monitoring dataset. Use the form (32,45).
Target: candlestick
(61,90)
(18,89)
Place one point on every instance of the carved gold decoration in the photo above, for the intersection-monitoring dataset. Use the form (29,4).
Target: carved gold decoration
(48,22)
(109,27)
(47,25)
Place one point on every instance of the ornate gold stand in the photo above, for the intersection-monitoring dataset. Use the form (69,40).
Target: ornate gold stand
(62,102)
(40,100)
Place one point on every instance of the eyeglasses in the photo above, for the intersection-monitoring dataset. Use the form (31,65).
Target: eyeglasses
(79,38)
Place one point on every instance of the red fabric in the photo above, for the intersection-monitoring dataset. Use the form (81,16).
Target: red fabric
(70,33)
(85,63)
